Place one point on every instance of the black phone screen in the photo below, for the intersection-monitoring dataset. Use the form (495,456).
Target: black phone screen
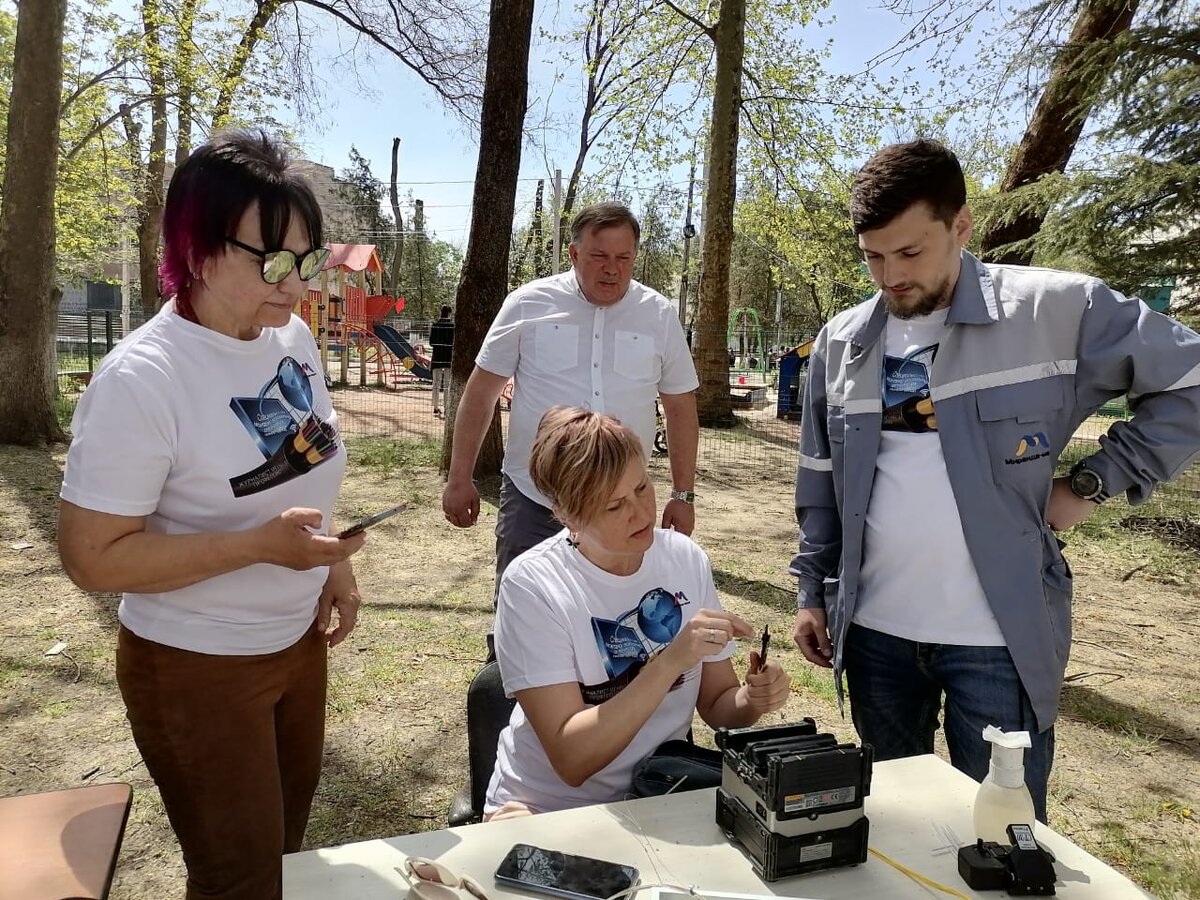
(375,519)
(563,874)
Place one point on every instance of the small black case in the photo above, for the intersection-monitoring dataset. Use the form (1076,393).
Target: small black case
(982,865)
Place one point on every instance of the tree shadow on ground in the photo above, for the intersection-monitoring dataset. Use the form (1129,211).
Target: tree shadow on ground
(1090,706)
(379,792)
(770,595)
(33,476)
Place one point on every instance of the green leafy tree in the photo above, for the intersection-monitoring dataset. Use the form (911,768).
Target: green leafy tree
(92,197)
(212,63)
(1129,210)
(1070,94)
(431,269)
(359,216)
(659,252)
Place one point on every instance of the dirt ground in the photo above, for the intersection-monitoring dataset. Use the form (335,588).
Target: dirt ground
(1126,784)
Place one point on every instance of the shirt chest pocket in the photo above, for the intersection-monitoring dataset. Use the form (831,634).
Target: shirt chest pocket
(556,346)
(634,356)
(1020,423)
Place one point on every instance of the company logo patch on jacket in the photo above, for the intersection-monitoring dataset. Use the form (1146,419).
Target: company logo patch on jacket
(1031,447)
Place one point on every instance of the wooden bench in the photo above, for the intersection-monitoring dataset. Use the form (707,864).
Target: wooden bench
(62,843)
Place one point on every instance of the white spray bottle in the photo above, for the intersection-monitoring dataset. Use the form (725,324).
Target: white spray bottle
(1003,799)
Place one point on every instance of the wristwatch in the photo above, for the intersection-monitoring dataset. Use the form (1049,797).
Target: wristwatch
(1086,484)
(685,496)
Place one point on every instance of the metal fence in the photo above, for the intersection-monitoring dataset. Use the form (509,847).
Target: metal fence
(394,400)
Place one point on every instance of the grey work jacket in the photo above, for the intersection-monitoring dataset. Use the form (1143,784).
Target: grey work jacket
(1029,354)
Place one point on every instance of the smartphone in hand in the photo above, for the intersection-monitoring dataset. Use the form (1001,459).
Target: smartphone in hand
(375,519)
(564,875)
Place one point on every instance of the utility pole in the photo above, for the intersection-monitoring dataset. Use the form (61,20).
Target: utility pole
(689,231)
(126,249)
(779,311)
(419,216)
(557,242)
(700,234)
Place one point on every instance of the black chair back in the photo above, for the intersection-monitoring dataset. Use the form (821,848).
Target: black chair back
(488,712)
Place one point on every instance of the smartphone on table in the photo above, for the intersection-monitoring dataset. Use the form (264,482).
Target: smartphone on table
(374,519)
(564,874)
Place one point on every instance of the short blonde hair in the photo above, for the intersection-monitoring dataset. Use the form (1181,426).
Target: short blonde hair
(578,460)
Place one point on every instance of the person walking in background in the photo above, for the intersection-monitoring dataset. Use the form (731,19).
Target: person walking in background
(441,340)
(200,482)
(592,338)
(934,415)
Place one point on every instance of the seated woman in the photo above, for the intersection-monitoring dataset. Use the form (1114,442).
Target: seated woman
(609,634)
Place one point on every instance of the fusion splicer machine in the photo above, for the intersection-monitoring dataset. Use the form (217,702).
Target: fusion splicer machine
(792,799)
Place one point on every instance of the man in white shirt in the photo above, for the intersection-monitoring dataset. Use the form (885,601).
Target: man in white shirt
(593,338)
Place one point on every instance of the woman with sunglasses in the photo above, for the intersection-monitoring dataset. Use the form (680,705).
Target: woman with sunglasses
(609,634)
(200,484)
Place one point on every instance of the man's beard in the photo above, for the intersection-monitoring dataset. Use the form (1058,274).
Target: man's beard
(920,303)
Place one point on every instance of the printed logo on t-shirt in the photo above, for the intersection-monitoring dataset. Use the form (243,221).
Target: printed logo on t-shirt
(283,425)
(906,403)
(628,642)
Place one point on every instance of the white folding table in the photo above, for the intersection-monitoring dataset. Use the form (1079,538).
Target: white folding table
(675,839)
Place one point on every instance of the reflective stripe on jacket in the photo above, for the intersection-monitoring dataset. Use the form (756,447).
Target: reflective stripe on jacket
(1029,355)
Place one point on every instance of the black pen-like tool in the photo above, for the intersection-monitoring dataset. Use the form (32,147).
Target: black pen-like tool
(762,650)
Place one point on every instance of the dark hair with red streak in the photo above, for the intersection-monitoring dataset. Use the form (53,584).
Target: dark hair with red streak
(211,191)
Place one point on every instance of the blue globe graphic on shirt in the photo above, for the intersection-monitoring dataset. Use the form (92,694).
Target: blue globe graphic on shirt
(659,616)
(293,384)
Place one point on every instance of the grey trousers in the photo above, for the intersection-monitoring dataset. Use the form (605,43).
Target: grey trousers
(521,523)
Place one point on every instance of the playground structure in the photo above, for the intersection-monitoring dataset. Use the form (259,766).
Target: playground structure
(347,321)
(748,359)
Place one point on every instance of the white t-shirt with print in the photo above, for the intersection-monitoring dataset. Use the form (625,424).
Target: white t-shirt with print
(201,432)
(561,619)
(562,350)
(918,579)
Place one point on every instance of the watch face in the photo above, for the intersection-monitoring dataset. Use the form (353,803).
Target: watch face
(1085,484)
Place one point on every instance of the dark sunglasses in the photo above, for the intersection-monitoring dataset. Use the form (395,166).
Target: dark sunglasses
(278,264)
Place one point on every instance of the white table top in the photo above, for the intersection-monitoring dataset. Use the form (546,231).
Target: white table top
(675,839)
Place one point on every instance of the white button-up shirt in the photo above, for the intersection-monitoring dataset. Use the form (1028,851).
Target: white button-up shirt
(561,350)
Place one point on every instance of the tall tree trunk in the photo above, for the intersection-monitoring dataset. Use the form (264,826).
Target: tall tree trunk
(231,80)
(394,196)
(28,295)
(712,318)
(184,63)
(150,213)
(1058,120)
(484,279)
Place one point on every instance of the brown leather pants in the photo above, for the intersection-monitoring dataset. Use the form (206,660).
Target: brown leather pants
(234,744)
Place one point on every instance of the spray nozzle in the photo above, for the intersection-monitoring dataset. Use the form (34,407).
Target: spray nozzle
(1008,747)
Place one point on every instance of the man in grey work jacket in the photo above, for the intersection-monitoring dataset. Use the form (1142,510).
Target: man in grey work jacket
(933,417)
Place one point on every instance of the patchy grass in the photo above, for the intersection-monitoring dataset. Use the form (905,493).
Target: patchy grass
(394,456)
(1124,784)
(1161,874)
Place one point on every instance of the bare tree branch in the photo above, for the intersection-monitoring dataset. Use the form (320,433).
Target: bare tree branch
(452,71)
(121,113)
(88,85)
(707,29)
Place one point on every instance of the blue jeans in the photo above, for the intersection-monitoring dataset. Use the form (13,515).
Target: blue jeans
(896,687)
